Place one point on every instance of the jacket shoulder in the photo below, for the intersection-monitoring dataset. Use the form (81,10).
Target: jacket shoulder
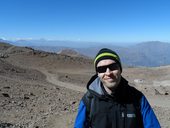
(87,100)
(135,93)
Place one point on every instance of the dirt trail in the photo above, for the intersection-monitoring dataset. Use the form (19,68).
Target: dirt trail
(163,102)
(9,49)
(64,121)
(53,78)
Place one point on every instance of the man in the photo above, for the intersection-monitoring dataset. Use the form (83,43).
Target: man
(110,102)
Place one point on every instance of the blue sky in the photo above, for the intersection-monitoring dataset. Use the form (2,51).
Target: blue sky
(86,20)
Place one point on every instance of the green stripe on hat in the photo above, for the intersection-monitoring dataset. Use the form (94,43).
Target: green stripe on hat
(106,54)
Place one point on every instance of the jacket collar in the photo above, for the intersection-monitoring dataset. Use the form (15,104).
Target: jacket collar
(96,87)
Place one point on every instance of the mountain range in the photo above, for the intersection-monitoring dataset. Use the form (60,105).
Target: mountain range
(150,54)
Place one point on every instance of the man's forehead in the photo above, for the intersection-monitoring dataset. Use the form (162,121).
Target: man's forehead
(105,62)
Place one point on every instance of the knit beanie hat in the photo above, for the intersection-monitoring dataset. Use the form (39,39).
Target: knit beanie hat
(106,53)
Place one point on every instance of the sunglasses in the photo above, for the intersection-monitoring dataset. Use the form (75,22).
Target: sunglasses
(102,69)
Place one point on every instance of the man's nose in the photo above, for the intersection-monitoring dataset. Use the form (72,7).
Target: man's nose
(108,71)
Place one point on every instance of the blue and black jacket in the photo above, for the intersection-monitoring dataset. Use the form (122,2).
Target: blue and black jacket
(125,108)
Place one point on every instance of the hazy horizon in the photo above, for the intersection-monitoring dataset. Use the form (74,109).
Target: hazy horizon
(71,44)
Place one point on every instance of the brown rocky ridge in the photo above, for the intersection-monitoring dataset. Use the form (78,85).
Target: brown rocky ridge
(42,90)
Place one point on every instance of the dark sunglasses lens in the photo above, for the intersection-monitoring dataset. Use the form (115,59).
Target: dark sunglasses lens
(113,66)
(103,69)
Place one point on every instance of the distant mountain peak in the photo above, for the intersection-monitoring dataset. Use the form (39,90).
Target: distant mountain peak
(71,52)
(152,43)
(68,52)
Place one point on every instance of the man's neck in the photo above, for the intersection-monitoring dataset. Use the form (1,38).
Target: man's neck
(109,91)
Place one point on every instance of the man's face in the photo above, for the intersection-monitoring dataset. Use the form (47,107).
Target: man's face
(109,73)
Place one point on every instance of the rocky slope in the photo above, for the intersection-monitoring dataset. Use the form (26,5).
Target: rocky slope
(42,90)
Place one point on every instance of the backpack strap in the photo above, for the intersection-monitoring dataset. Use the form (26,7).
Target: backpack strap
(87,99)
(137,105)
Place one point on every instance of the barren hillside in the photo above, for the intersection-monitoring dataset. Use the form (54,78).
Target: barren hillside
(40,89)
